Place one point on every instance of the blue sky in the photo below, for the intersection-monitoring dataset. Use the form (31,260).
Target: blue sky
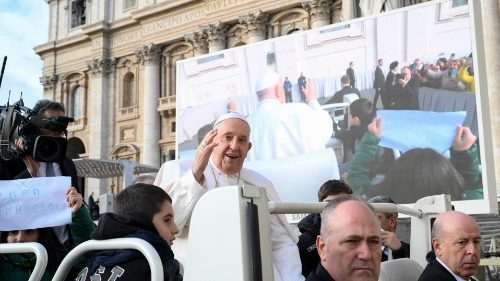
(23,25)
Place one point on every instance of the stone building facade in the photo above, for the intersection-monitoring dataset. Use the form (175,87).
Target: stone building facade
(112,63)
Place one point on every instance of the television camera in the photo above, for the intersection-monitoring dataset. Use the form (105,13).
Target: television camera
(20,123)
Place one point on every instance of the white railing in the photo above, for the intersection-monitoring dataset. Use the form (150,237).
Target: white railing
(119,243)
(31,247)
(317,207)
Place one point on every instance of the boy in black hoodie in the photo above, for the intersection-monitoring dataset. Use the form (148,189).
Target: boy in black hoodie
(141,211)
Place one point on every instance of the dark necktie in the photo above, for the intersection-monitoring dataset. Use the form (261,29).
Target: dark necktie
(49,172)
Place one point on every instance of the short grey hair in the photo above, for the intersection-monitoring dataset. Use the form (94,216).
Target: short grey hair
(333,204)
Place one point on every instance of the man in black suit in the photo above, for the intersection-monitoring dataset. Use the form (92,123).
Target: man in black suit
(390,84)
(393,247)
(350,72)
(310,225)
(46,109)
(406,90)
(379,85)
(302,83)
(456,240)
(349,240)
(338,97)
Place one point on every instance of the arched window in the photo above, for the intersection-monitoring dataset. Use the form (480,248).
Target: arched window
(128,90)
(77,102)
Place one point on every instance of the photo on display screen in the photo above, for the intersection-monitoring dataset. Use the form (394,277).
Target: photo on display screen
(390,103)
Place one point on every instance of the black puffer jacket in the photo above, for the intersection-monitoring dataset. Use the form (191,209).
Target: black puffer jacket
(128,264)
(309,227)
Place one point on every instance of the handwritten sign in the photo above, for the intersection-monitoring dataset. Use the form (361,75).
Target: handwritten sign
(34,203)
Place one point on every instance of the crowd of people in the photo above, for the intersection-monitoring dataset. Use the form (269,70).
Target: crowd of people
(371,169)
(399,88)
(347,241)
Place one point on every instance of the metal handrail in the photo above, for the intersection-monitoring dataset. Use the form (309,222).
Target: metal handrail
(317,207)
(29,247)
(119,243)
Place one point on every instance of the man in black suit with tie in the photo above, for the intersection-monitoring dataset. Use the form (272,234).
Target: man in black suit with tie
(456,240)
(379,85)
(46,109)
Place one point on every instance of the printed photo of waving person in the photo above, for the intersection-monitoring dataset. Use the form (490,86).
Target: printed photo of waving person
(388,104)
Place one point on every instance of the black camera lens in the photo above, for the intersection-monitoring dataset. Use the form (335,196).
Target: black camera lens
(49,149)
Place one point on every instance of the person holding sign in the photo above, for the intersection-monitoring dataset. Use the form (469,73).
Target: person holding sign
(419,172)
(19,266)
(45,110)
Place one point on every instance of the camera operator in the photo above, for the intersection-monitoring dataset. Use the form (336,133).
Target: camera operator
(46,109)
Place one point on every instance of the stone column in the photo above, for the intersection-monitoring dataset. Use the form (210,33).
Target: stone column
(150,57)
(347,10)
(256,24)
(319,12)
(98,123)
(216,36)
(199,42)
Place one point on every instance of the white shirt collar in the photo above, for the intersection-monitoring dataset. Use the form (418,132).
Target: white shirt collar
(42,169)
(458,278)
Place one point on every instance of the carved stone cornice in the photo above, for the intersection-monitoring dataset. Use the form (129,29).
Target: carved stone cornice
(199,42)
(318,9)
(149,54)
(101,65)
(216,33)
(49,81)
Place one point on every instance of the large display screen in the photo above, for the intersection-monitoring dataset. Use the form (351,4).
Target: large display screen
(428,134)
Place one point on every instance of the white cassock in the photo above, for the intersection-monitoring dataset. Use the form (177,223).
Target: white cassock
(280,130)
(187,191)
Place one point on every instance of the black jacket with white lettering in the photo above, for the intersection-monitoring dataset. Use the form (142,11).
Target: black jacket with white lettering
(309,227)
(128,265)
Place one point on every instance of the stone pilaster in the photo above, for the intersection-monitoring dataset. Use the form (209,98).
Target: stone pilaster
(216,36)
(256,25)
(99,69)
(319,12)
(150,56)
(199,42)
